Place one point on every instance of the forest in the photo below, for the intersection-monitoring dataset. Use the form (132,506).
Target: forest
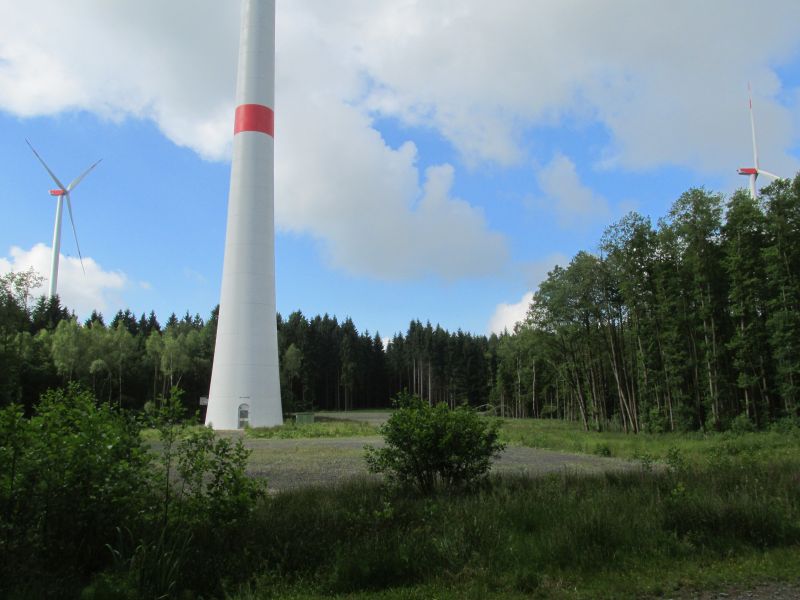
(688,324)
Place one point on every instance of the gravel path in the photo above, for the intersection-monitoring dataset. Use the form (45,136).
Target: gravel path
(766,591)
(288,464)
(294,463)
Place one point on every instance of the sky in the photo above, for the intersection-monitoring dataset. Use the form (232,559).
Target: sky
(434,158)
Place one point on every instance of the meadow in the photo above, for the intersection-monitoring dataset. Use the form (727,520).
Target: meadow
(689,512)
(698,511)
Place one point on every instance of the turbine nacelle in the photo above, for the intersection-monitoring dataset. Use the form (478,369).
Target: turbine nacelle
(755,171)
(58,192)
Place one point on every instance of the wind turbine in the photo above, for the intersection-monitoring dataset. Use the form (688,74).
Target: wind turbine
(61,193)
(754,171)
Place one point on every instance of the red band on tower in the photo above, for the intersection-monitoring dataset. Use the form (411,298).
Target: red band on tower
(254,117)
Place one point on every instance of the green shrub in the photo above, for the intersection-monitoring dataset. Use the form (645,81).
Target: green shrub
(430,445)
(742,424)
(69,477)
(82,499)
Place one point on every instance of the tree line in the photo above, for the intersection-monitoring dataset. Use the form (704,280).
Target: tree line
(325,364)
(689,324)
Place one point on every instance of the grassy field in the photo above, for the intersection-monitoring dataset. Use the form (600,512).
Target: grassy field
(696,511)
(621,535)
(781,442)
(699,511)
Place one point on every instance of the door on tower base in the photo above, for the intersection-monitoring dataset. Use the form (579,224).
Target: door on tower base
(244,416)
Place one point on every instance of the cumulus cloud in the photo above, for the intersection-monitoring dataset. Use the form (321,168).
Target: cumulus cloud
(506,316)
(97,289)
(565,195)
(665,80)
(336,178)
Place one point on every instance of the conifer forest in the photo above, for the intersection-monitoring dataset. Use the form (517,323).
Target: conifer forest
(688,323)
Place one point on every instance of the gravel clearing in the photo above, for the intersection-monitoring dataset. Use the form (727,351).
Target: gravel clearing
(766,591)
(293,463)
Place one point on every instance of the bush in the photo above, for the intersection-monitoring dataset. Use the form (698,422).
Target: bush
(69,477)
(82,498)
(742,424)
(430,445)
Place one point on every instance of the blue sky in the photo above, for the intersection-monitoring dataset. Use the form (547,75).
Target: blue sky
(433,159)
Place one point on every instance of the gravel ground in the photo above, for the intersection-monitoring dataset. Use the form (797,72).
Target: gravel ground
(293,463)
(767,591)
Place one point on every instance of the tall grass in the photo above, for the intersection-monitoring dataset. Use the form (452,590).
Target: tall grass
(780,442)
(524,535)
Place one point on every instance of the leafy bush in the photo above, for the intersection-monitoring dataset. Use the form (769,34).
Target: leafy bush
(742,424)
(430,445)
(69,477)
(80,498)
(204,503)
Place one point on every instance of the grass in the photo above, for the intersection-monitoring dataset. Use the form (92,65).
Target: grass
(780,443)
(669,578)
(724,509)
(327,428)
(560,536)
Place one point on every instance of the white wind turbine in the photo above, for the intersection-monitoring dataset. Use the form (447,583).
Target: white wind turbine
(61,193)
(754,171)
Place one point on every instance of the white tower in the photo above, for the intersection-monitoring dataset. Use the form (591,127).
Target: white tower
(245,386)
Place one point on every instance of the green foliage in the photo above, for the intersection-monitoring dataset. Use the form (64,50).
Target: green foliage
(429,445)
(68,477)
(742,424)
(214,487)
(79,494)
(205,503)
(554,536)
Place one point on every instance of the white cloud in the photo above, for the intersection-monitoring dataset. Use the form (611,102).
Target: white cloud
(666,81)
(507,315)
(97,289)
(565,195)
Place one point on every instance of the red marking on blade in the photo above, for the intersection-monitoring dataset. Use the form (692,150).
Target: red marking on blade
(57,192)
(254,117)
(748,171)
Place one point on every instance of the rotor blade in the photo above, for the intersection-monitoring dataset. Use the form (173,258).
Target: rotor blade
(74,231)
(752,127)
(768,174)
(44,164)
(78,179)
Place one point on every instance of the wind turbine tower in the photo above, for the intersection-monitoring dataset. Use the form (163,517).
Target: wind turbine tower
(754,171)
(245,387)
(61,193)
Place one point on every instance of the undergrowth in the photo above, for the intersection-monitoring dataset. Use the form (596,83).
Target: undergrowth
(563,535)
